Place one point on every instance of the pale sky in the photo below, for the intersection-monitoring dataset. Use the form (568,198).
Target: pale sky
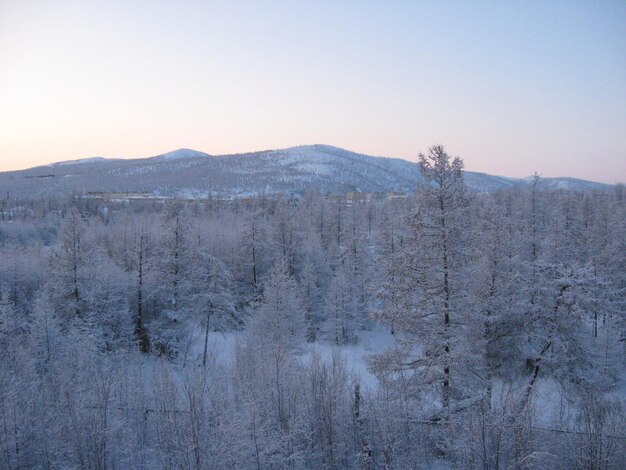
(511,87)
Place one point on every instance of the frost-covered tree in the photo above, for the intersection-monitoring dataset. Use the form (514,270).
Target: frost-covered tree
(440,222)
(212,298)
(279,323)
(530,326)
(170,285)
(69,268)
(141,333)
(390,282)
(173,256)
(339,310)
(435,252)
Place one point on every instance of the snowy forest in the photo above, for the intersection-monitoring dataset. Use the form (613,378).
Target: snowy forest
(449,328)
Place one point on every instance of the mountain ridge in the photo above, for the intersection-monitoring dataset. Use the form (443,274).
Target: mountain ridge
(294,170)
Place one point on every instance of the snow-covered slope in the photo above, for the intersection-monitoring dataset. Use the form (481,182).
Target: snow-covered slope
(295,170)
(182,153)
(82,161)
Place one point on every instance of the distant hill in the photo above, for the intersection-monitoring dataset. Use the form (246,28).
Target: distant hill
(190,173)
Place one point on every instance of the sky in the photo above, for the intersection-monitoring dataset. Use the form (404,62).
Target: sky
(512,87)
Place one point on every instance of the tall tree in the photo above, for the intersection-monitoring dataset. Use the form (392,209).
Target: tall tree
(69,268)
(141,333)
(438,225)
(432,334)
(212,297)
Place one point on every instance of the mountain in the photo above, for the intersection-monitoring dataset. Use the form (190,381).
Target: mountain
(82,160)
(182,153)
(189,173)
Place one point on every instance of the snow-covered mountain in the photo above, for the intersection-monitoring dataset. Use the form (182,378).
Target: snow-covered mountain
(190,173)
(182,153)
(81,160)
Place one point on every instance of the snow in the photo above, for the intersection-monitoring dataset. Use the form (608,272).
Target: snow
(355,355)
(182,153)
(82,161)
(221,348)
(551,407)
(296,170)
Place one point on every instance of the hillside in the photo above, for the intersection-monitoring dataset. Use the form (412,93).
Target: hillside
(191,173)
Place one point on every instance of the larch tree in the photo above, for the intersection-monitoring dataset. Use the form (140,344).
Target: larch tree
(276,332)
(68,265)
(338,312)
(280,319)
(212,298)
(142,336)
(438,227)
(434,253)
(390,283)
(170,286)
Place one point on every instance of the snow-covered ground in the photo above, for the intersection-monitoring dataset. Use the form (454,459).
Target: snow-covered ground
(550,401)
(221,348)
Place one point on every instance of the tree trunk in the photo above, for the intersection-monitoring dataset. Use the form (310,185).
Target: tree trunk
(206,337)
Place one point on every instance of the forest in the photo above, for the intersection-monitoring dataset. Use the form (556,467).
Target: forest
(446,329)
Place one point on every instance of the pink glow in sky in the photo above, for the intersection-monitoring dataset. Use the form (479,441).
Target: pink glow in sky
(511,87)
